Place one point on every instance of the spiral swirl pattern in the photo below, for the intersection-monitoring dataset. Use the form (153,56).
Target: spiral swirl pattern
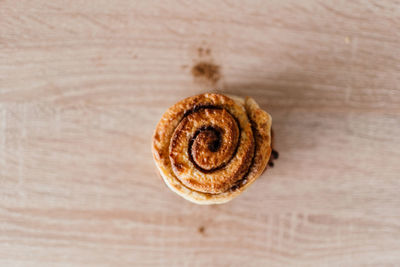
(206,146)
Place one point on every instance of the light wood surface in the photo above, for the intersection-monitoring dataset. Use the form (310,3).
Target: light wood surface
(83,84)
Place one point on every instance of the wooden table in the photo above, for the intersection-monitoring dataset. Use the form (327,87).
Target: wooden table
(83,84)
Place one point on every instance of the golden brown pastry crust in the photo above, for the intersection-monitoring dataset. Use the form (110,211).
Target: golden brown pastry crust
(210,147)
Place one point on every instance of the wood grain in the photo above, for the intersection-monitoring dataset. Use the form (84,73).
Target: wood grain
(83,84)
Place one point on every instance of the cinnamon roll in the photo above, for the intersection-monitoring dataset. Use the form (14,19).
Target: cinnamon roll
(209,148)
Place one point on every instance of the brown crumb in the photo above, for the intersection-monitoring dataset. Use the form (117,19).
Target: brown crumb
(275,154)
(271,163)
(200,51)
(209,71)
(202,230)
(203,52)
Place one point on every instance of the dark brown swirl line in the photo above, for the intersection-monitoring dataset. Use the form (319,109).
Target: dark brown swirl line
(210,136)
(213,140)
(199,107)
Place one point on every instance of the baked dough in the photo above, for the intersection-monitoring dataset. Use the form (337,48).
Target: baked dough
(209,148)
